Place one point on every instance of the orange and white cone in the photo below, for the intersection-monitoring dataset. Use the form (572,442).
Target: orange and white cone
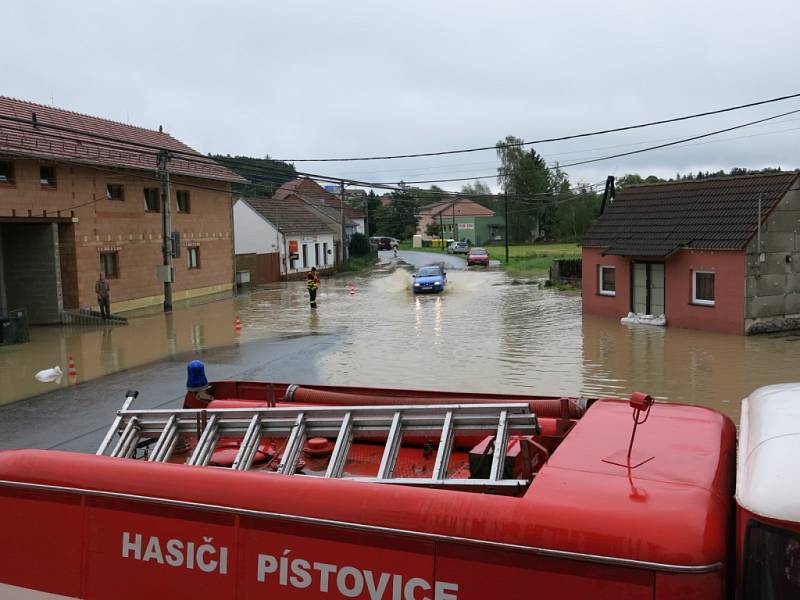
(352,289)
(238,325)
(72,372)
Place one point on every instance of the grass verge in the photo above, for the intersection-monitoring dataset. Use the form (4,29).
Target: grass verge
(356,264)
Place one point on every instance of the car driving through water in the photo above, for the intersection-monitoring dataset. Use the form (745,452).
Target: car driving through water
(429,279)
(477,256)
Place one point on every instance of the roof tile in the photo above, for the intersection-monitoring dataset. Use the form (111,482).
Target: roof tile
(656,220)
(25,139)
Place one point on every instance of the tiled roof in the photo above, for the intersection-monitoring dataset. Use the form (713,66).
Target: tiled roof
(26,139)
(289,215)
(656,220)
(310,192)
(463,208)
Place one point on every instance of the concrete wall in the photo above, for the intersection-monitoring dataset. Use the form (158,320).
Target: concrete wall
(32,270)
(772,286)
(254,235)
(125,227)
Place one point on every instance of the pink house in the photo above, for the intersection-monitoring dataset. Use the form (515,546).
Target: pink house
(717,254)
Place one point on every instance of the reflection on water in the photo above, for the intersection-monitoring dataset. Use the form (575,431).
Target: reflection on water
(481,334)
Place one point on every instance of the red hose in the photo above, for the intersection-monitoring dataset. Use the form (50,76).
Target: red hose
(540,407)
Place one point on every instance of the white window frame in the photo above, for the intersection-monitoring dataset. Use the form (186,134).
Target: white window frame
(600,289)
(193,257)
(700,301)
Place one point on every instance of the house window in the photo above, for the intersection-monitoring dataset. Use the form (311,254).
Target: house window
(151,199)
(607,281)
(703,288)
(109,264)
(193,257)
(115,191)
(47,177)
(183,201)
(305,256)
(316,255)
(324,253)
(7,172)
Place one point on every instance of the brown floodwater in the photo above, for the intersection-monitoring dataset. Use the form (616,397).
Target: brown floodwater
(482,334)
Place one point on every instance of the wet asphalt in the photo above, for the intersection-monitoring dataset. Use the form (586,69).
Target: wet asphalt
(76,418)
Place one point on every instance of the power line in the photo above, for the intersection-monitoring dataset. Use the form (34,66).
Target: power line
(548,140)
(621,154)
(457,167)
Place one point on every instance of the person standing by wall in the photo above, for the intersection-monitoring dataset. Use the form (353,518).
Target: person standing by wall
(103,291)
(312,283)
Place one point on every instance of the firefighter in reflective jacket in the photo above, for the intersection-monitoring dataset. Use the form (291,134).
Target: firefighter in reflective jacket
(312,283)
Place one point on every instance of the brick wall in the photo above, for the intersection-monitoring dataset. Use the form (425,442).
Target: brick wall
(124,227)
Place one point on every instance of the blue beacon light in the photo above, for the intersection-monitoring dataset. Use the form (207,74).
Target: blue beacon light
(196,376)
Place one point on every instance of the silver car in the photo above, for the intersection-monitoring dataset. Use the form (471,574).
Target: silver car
(458,248)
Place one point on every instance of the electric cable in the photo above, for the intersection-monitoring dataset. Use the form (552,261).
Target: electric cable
(551,139)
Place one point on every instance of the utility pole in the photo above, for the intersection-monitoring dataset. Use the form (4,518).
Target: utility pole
(166,228)
(505,233)
(441,230)
(455,232)
(366,217)
(344,235)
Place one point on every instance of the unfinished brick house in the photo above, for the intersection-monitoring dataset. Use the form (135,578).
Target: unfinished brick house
(717,254)
(84,197)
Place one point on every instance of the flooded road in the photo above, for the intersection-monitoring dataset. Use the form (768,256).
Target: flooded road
(482,334)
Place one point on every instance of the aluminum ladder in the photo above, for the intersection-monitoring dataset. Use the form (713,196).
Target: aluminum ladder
(163,427)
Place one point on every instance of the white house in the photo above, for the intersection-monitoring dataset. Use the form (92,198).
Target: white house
(280,235)
(327,206)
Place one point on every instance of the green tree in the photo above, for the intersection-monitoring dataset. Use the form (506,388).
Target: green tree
(482,194)
(525,177)
(433,229)
(399,219)
(374,205)
(359,245)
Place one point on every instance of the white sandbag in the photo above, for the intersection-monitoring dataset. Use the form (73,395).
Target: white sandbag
(50,375)
(641,319)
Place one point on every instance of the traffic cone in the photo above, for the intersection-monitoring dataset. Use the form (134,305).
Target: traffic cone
(72,372)
(238,325)
(352,289)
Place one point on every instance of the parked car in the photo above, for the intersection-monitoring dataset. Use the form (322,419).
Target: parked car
(458,248)
(385,243)
(431,278)
(477,256)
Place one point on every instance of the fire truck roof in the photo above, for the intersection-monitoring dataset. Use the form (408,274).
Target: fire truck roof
(768,470)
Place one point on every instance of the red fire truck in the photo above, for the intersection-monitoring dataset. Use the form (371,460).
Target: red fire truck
(268,490)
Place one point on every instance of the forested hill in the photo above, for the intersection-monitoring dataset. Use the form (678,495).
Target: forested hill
(636,179)
(266,174)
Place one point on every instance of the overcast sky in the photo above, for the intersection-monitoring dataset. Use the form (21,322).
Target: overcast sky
(304,79)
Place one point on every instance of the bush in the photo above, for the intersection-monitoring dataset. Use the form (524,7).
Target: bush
(359,245)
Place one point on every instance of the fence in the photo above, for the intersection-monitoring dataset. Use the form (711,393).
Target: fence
(84,316)
(566,270)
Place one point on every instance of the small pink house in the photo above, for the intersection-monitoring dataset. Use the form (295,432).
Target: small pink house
(717,254)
